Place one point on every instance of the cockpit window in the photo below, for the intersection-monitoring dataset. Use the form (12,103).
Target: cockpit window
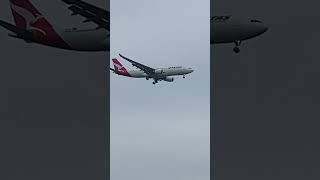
(256,21)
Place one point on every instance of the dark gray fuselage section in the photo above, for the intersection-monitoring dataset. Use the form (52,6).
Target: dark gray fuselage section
(227,29)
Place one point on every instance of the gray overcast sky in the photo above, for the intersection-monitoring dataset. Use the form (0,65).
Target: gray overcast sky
(54,106)
(161,131)
(266,115)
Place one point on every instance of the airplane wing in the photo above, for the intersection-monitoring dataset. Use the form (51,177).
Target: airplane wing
(148,70)
(92,13)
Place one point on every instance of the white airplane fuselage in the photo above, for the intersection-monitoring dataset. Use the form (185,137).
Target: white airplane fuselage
(228,29)
(161,72)
(87,39)
(76,39)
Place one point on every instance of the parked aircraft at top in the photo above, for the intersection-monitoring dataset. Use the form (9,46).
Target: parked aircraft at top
(32,27)
(228,29)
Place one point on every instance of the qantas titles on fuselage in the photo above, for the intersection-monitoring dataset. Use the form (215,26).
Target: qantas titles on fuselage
(228,29)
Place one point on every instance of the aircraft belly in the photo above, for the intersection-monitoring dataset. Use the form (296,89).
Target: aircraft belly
(138,74)
(230,33)
(171,73)
(220,34)
(86,41)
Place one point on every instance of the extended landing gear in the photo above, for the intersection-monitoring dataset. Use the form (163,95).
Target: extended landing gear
(184,76)
(237,49)
(154,82)
(147,78)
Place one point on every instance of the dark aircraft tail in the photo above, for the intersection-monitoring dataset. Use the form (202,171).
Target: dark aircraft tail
(27,16)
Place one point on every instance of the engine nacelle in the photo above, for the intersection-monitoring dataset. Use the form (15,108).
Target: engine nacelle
(168,79)
(158,71)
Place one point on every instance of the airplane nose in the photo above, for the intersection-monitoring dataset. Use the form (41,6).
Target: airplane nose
(260,29)
(264,29)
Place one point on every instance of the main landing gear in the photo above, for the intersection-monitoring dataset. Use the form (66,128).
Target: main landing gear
(154,82)
(184,76)
(237,49)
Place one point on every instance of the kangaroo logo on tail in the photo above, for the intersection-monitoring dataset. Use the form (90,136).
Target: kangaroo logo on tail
(119,68)
(26,16)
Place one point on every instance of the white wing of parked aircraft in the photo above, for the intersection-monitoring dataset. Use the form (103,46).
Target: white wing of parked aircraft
(94,14)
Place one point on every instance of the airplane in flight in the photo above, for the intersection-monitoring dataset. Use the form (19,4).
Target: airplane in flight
(229,29)
(159,74)
(32,27)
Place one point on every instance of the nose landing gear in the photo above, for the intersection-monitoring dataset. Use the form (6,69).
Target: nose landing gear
(237,49)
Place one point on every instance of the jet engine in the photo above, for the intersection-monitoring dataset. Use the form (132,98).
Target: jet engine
(158,71)
(168,79)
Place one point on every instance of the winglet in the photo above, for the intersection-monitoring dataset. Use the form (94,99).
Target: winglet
(127,58)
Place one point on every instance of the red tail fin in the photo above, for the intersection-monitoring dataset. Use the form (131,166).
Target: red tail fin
(119,68)
(26,16)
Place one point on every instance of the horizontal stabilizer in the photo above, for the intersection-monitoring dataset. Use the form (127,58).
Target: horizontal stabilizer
(113,70)
(12,27)
(20,33)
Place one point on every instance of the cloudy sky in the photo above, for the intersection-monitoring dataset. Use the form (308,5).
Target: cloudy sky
(161,131)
